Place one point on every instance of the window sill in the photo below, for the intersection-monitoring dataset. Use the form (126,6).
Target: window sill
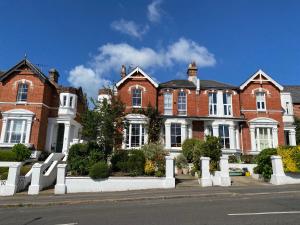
(9,145)
(21,103)
(136,107)
(261,110)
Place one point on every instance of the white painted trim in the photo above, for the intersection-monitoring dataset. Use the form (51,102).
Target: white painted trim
(260,72)
(28,103)
(136,70)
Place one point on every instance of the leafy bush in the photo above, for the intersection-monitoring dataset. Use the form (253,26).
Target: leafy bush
(3,173)
(232,159)
(189,146)
(290,158)
(249,159)
(7,155)
(82,156)
(136,162)
(99,170)
(155,153)
(181,161)
(149,168)
(212,148)
(264,165)
(119,161)
(21,151)
(159,173)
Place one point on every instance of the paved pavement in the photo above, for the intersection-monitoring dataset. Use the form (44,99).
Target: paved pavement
(183,206)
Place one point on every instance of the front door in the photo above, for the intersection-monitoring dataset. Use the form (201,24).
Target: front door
(60,137)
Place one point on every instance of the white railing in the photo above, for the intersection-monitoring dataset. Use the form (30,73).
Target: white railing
(44,174)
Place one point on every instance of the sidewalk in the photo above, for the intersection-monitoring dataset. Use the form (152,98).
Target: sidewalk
(46,198)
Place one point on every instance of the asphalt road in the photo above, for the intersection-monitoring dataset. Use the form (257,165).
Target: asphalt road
(257,208)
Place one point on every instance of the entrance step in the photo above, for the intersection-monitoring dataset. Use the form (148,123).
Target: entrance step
(246,181)
(186,181)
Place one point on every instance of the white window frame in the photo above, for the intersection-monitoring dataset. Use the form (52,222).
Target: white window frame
(261,101)
(227,106)
(134,97)
(177,126)
(10,130)
(21,92)
(12,115)
(258,140)
(212,106)
(224,137)
(168,105)
(129,136)
(182,100)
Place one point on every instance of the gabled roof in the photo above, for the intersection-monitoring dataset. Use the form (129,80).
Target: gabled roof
(23,62)
(137,70)
(178,84)
(295,92)
(261,73)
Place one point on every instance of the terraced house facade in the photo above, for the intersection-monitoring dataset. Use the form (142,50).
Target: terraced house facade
(36,111)
(248,118)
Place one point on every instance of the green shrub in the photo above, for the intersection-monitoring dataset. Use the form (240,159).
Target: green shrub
(119,161)
(232,159)
(189,146)
(249,159)
(4,175)
(136,163)
(155,153)
(264,165)
(82,156)
(181,161)
(159,173)
(21,151)
(7,155)
(99,170)
(78,159)
(212,148)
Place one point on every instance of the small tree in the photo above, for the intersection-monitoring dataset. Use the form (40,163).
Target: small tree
(154,124)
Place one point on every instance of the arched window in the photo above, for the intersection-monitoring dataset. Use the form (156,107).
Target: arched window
(22,92)
(136,97)
(181,103)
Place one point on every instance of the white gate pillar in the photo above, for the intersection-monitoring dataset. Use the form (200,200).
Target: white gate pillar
(205,179)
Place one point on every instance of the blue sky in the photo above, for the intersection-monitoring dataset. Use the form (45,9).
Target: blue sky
(88,41)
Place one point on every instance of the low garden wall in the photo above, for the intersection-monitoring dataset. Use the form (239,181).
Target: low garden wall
(279,177)
(86,184)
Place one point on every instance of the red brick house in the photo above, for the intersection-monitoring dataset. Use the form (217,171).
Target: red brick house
(248,118)
(37,111)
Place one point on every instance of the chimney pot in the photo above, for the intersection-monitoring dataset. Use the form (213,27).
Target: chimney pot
(192,72)
(123,71)
(53,75)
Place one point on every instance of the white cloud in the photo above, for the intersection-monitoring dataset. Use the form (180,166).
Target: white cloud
(129,27)
(110,57)
(154,11)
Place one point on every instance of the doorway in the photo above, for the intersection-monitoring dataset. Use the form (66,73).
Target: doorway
(60,137)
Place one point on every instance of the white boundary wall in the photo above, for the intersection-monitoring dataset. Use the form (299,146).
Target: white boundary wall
(86,184)
(9,187)
(220,178)
(279,177)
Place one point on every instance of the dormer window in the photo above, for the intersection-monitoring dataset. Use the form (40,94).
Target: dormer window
(137,98)
(22,92)
(182,103)
(261,101)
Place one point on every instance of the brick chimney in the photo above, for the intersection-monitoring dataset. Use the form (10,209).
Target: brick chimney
(123,71)
(192,72)
(53,75)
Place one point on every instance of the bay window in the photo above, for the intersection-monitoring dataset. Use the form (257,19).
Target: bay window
(135,135)
(264,138)
(175,135)
(261,101)
(182,103)
(15,131)
(168,104)
(224,136)
(227,104)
